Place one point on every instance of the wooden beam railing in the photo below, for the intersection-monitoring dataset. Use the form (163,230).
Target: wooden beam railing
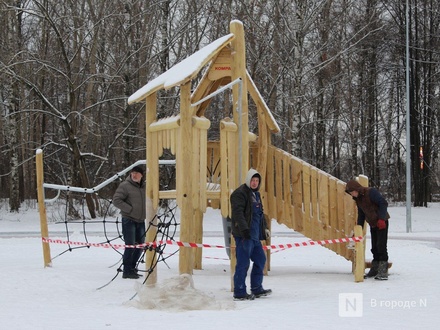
(308,200)
(305,199)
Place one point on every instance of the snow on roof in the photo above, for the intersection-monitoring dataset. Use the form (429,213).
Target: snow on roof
(182,71)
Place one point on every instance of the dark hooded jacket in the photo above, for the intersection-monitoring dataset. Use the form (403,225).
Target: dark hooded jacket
(372,206)
(241,204)
(129,197)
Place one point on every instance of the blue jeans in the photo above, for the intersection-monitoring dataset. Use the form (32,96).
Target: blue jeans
(134,233)
(248,250)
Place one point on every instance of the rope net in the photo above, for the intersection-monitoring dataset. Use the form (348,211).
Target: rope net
(164,224)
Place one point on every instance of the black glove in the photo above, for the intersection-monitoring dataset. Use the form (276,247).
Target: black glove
(246,234)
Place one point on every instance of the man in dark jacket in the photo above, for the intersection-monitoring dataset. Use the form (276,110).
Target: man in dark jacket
(130,199)
(248,228)
(372,207)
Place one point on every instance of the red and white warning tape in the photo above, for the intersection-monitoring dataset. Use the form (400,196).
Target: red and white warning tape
(201,245)
(322,242)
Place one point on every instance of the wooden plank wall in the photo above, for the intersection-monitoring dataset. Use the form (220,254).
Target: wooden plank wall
(298,195)
(164,134)
(308,200)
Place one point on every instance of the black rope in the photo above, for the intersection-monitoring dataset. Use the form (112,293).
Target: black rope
(165,230)
(166,227)
(164,222)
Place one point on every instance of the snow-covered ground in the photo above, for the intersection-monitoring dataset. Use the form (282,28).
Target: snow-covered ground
(312,287)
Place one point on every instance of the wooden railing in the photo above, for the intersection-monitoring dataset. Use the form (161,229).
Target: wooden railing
(308,200)
(298,195)
(294,193)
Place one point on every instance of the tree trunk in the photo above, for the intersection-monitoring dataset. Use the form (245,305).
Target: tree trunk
(12,107)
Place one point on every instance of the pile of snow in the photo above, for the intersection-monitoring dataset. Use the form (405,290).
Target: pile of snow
(176,294)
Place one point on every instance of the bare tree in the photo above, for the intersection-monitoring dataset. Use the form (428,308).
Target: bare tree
(332,71)
(10,95)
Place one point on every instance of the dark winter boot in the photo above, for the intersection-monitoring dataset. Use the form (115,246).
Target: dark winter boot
(131,275)
(382,271)
(247,296)
(373,269)
(262,293)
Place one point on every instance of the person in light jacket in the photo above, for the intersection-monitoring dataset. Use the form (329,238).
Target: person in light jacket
(130,199)
(248,228)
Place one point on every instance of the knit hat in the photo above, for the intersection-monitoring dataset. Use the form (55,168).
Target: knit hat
(353,185)
(137,169)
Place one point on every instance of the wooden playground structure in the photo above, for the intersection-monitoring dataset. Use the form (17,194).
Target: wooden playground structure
(294,193)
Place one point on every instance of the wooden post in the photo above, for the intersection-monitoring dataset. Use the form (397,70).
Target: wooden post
(359,257)
(238,70)
(233,262)
(152,168)
(198,238)
(152,189)
(184,173)
(224,191)
(307,201)
(151,256)
(363,180)
(297,192)
(346,209)
(42,208)
(227,182)
(324,208)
